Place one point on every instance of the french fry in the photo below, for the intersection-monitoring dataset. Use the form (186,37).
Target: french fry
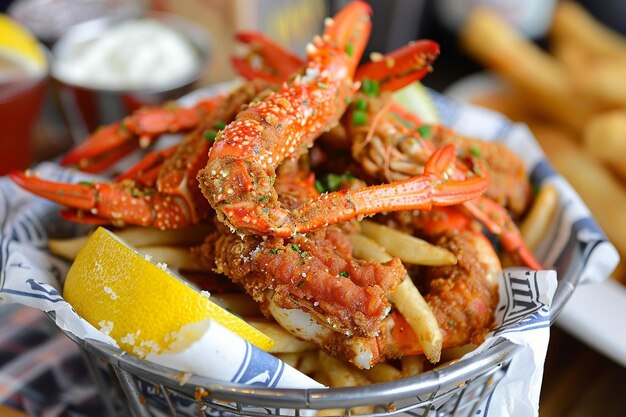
(308,362)
(536,222)
(365,248)
(339,374)
(406,247)
(67,248)
(410,303)
(383,372)
(173,257)
(412,365)
(572,23)
(604,137)
(284,342)
(290,358)
(536,76)
(137,237)
(600,190)
(149,236)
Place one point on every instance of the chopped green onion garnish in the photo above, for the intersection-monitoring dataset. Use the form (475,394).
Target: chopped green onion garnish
(88,183)
(371,87)
(475,151)
(273,251)
(350,49)
(321,85)
(334,181)
(359,118)
(300,284)
(360,104)
(220,125)
(344,274)
(210,135)
(296,248)
(424,130)
(319,187)
(264,198)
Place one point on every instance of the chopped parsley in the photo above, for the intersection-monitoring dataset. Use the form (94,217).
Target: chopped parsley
(370,87)
(350,49)
(210,135)
(360,104)
(296,248)
(424,130)
(359,118)
(475,151)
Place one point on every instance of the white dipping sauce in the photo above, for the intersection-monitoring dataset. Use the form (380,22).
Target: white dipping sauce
(137,54)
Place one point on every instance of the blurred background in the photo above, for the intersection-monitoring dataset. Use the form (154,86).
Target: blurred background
(561,70)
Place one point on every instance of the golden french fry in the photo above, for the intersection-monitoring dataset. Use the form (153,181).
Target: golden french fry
(290,358)
(173,257)
(308,362)
(339,374)
(284,342)
(149,236)
(406,247)
(138,237)
(383,372)
(412,365)
(365,248)
(410,303)
(536,76)
(602,192)
(572,23)
(604,137)
(66,248)
(238,303)
(536,222)
(452,354)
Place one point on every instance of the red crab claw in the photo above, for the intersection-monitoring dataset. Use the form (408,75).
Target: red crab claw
(421,192)
(265,59)
(111,143)
(402,66)
(498,221)
(125,202)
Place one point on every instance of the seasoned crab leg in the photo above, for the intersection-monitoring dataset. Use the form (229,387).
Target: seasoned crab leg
(163,181)
(265,59)
(238,180)
(111,143)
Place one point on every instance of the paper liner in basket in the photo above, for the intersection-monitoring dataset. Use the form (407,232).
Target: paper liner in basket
(574,247)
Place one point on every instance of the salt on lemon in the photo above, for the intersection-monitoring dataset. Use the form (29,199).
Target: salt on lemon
(138,303)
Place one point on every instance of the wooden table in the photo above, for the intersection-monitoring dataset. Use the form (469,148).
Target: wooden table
(580,382)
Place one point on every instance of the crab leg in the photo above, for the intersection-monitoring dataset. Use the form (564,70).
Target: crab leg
(110,143)
(276,63)
(401,67)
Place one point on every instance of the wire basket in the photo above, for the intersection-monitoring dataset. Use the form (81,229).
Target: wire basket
(132,386)
(135,387)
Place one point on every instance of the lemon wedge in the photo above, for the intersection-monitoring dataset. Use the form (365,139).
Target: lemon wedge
(415,98)
(15,40)
(138,303)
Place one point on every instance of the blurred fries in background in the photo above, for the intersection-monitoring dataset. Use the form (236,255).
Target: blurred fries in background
(573,97)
